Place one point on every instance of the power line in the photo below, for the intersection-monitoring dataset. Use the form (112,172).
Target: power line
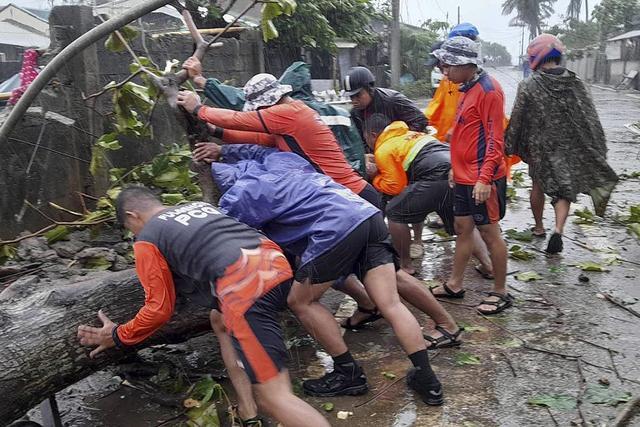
(41,147)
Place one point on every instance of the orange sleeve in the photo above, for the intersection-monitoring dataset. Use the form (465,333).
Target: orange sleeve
(493,123)
(436,104)
(244,137)
(391,178)
(160,296)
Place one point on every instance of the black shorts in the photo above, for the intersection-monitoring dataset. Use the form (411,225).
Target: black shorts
(489,212)
(368,246)
(371,195)
(421,198)
(259,339)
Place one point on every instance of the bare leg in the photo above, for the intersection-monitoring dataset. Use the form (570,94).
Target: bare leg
(536,198)
(493,237)
(401,238)
(316,319)
(561,208)
(416,294)
(464,247)
(417,232)
(481,253)
(354,288)
(247,407)
(379,283)
(277,399)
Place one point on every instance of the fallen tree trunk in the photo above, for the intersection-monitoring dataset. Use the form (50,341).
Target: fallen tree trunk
(39,351)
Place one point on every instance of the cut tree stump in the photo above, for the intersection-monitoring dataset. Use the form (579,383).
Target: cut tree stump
(39,350)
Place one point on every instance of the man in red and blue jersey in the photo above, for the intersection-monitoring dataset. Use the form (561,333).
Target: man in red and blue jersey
(478,173)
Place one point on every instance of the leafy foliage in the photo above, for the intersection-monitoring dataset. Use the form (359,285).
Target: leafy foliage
(560,402)
(495,54)
(592,266)
(615,15)
(464,358)
(585,216)
(528,276)
(517,252)
(114,43)
(58,233)
(576,34)
(415,47)
(529,13)
(318,23)
(523,236)
(7,252)
(602,394)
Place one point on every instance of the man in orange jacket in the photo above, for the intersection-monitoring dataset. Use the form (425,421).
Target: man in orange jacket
(413,168)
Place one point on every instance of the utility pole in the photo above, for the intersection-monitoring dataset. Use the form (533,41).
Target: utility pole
(586,10)
(395,43)
(458,15)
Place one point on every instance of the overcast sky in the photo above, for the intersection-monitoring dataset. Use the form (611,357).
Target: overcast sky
(485,14)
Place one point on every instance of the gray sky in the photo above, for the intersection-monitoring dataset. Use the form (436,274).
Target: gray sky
(484,14)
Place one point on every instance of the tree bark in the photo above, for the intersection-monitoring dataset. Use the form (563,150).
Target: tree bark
(39,350)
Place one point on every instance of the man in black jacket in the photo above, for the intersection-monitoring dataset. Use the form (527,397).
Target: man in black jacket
(367,100)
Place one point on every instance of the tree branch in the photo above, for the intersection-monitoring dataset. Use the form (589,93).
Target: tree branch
(116,86)
(69,52)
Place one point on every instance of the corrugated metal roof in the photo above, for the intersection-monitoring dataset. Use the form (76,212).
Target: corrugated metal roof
(16,36)
(628,35)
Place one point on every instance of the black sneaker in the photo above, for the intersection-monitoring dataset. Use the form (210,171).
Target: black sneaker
(346,380)
(555,244)
(431,393)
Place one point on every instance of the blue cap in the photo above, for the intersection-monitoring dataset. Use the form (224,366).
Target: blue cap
(465,30)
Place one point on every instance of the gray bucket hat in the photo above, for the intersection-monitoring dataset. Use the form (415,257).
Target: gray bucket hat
(459,51)
(263,90)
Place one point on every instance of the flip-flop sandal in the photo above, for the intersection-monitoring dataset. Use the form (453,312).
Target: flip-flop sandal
(374,315)
(484,274)
(504,302)
(446,340)
(253,422)
(448,292)
(540,235)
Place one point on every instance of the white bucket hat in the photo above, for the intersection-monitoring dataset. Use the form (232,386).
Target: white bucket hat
(263,90)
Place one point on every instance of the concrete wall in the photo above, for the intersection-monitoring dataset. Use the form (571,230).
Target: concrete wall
(57,178)
(619,68)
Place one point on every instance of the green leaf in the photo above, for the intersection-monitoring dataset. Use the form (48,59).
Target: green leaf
(557,269)
(113,42)
(327,406)
(635,229)
(59,233)
(7,252)
(511,343)
(98,161)
(517,252)
(585,216)
(204,389)
(523,236)
(517,178)
(98,263)
(172,198)
(204,416)
(473,328)
(592,266)
(602,394)
(528,276)
(109,141)
(463,358)
(560,402)
(512,194)
(271,11)
(441,232)
(389,375)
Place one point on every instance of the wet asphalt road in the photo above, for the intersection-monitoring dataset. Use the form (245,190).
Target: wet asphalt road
(556,314)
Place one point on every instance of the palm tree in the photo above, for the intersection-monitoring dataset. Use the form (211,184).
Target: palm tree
(530,12)
(573,10)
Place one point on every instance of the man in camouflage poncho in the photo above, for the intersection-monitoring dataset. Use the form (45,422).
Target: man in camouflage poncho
(555,129)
